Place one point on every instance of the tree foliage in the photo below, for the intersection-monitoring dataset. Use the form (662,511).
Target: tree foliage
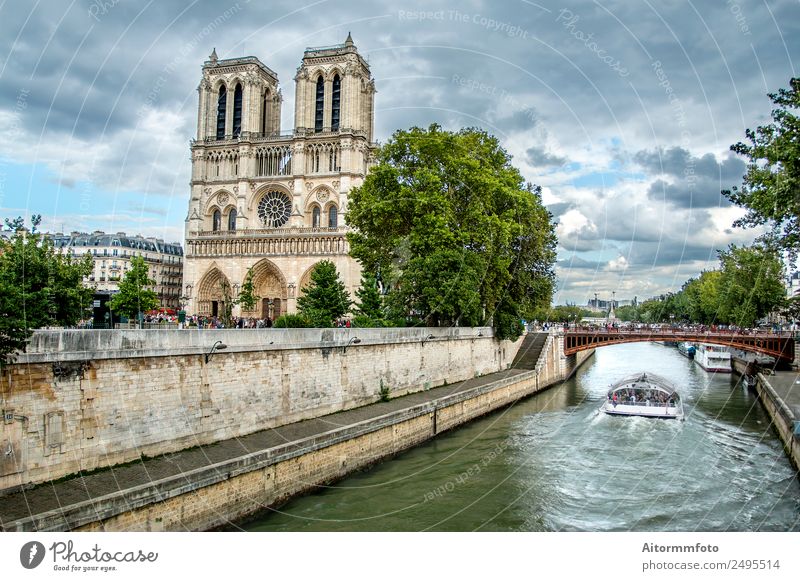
(457,234)
(38,286)
(750,284)
(135,295)
(747,287)
(369,310)
(248,299)
(771,188)
(325,299)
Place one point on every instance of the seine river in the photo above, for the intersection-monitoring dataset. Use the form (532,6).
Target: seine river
(553,463)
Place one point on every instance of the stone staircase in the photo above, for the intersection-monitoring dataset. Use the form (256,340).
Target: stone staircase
(529,352)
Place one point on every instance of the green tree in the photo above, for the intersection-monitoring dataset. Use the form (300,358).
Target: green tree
(751,284)
(134,294)
(369,309)
(771,188)
(325,299)
(227,303)
(38,286)
(627,313)
(248,299)
(455,231)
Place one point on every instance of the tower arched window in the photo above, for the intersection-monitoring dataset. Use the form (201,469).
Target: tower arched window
(237,110)
(333,217)
(216,221)
(232,220)
(315,217)
(222,103)
(320,103)
(336,101)
(264,112)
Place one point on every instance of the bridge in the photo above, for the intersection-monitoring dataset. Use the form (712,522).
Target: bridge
(778,345)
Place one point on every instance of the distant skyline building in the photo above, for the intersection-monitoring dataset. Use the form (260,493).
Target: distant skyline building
(112,254)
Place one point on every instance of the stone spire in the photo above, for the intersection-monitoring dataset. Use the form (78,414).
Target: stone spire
(213,56)
(349,41)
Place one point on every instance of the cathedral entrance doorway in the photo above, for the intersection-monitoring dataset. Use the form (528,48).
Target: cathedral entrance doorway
(270,285)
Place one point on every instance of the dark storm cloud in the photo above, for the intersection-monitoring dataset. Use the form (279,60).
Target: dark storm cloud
(693,182)
(670,252)
(578,263)
(539,157)
(558,210)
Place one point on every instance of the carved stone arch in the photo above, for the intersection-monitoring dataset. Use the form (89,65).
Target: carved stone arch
(320,195)
(210,294)
(305,279)
(234,80)
(315,73)
(216,198)
(333,72)
(269,284)
(219,82)
(259,191)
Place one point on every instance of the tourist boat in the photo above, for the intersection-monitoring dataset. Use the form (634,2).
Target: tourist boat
(713,358)
(644,394)
(686,349)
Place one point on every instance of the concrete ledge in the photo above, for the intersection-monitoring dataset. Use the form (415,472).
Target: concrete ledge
(48,346)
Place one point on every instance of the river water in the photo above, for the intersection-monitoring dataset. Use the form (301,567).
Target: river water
(553,463)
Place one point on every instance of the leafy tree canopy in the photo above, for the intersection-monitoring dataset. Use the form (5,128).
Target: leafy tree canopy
(38,286)
(135,295)
(771,188)
(457,234)
(248,299)
(325,299)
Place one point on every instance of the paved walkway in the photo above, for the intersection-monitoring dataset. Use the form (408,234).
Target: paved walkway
(59,495)
(787,387)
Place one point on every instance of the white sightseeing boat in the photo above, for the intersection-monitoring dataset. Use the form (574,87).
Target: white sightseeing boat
(713,358)
(644,394)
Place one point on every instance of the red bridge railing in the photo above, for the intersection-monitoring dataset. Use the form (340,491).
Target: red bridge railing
(775,344)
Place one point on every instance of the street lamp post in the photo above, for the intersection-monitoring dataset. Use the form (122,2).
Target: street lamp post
(218,346)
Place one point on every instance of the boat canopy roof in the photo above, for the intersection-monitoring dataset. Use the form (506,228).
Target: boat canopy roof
(644,380)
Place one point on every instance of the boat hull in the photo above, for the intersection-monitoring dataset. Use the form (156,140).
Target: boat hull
(662,412)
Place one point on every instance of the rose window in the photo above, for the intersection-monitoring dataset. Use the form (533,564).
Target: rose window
(274,209)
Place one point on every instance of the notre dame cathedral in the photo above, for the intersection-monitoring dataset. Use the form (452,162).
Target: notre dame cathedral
(271,200)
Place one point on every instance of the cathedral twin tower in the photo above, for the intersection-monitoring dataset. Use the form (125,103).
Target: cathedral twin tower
(271,201)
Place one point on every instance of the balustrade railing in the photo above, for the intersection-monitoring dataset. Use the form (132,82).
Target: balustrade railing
(272,232)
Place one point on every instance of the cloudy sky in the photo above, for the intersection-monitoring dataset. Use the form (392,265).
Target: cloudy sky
(623,111)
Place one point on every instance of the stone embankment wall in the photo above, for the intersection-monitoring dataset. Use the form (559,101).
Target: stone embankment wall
(80,400)
(784,420)
(221,494)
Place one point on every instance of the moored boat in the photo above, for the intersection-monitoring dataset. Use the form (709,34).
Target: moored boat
(686,349)
(713,358)
(644,394)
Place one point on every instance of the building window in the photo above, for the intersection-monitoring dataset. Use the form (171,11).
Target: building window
(336,97)
(333,216)
(237,110)
(222,103)
(232,220)
(274,209)
(115,252)
(320,103)
(216,221)
(315,217)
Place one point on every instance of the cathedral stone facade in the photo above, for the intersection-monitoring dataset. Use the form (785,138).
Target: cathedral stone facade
(269,200)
